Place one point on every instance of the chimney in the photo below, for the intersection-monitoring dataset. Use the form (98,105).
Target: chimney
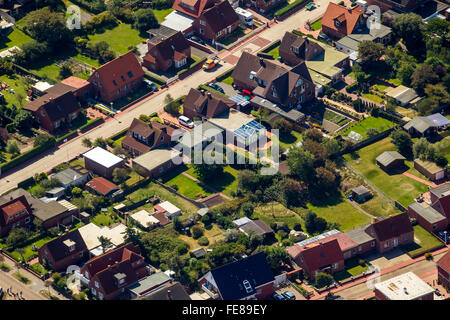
(203,92)
(261,62)
(209,95)
(169,294)
(405,290)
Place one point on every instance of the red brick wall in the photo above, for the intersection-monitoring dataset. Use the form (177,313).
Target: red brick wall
(443,277)
(62,264)
(439,226)
(99,169)
(110,96)
(401,242)
(379,295)
(266,291)
(55,220)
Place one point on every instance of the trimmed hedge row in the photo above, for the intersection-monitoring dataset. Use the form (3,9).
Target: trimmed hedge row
(205,87)
(27,156)
(92,123)
(192,66)
(224,75)
(271,46)
(119,135)
(67,136)
(265,55)
(301,34)
(288,8)
(155,79)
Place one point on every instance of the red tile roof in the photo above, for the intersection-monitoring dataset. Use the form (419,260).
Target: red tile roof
(392,227)
(75,82)
(11,207)
(444,262)
(199,6)
(163,220)
(318,255)
(347,17)
(345,242)
(443,205)
(101,185)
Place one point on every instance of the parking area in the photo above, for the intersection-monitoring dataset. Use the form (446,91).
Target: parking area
(298,295)
(388,259)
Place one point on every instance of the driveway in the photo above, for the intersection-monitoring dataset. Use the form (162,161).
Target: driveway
(298,295)
(388,259)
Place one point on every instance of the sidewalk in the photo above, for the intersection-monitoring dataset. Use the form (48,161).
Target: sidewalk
(431,184)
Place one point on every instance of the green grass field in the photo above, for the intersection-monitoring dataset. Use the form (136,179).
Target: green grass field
(188,187)
(275,52)
(378,123)
(423,242)
(395,185)
(276,212)
(379,206)
(19,86)
(119,38)
(352,268)
(102,219)
(287,141)
(160,14)
(317,25)
(228,80)
(15,38)
(225,183)
(373,97)
(28,249)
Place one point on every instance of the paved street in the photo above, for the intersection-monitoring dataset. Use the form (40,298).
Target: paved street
(50,159)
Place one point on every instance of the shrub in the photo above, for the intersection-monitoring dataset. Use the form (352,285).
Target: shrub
(288,8)
(203,241)
(428,256)
(297,227)
(197,231)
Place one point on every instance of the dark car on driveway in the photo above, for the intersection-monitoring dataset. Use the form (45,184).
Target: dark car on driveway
(277,296)
(288,295)
(216,87)
(197,39)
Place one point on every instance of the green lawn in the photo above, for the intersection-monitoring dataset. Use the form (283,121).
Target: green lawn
(395,185)
(276,212)
(119,38)
(102,219)
(380,87)
(379,123)
(336,118)
(336,209)
(373,97)
(19,86)
(423,242)
(379,206)
(28,249)
(187,187)
(15,38)
(317,25)
(153,189)
(161,14)
(225,183)
(352,269)
(228,80)
(275,52)
(289,140)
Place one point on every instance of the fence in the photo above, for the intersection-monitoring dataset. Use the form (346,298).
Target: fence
(399,206)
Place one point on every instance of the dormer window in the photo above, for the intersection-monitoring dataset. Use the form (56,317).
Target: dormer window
(295,49)
(70,245)
(120,278)
(114,82)
(123,78)
(247,286)
(337,23)
(130,74)
(252,75)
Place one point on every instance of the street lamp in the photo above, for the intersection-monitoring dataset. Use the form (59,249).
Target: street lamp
(445,237)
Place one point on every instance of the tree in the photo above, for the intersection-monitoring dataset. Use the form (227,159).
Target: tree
(120,175)
(31,52)
(177,224)
(77,192)
(283,126)
(370,52)
(300,163)
(409,27)
(132,235)
(12,147)
(402,141)
(420,149)
(86,142)
(197,231)
(100,142)
(208,171)
(105,242)
(170,106)
(314,224)
(405,72)
(21,251)
(275,256)
(23,120)
(422,76)
(145,19)
(295,192)
(438,93)
(317,150)
(65,71)
(17,237)
(371,132)
(323,279)
(248,208)
(325,180)
(43,139)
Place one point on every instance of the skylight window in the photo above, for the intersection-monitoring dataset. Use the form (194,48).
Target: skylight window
(130,74)
(123,78)
(115,83)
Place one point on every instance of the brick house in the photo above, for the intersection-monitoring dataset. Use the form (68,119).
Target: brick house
(400,5)
(295,49)
(443,268)
(117,78)
(103,187)
(392,232)
(261,5)
(339,21)
(270,80)
(245,279)
(205,105)
(167,48)
(145,136)
(82,88)
(428,217)
(15,213)
(321,256)
(109,275)
(102,162)
(68,249)
(58,106)
(213,19)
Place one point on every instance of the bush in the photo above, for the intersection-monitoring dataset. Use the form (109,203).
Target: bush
(103,20)
(197,231)
(428,256)
(203,241)
(297,227)
(288,8)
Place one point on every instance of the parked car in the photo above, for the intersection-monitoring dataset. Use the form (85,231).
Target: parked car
(437,292)
(209,64)
(197,39)
(1,292)
(216,87)
(185,121)
(323,36)
(277,296)
(288,295)
(151,85)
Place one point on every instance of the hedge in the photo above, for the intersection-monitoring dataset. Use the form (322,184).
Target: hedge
(119,135)
(205,87)
(27,156)
(191,67)
(301,34)
(288,8)
(67,136)
(271,46)
(265,55)
(26,183)
(155,79)
(92,123)
(224,75)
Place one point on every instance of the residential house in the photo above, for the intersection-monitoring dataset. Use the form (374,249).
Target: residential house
(170,291)
(199,137)
(148,285)
(428,217)
(68,249)
(81,88)
(439,192)
(90,234)
(257,227)
(102,162)
(420,126)
(364,242)
(295,49)
(117,78)
(104,188)
(390,160)
(443,268)
(430,169)
(262,6)
(145,219)
(73,176)
(439,120)
(57,107)
(392,232)
(339,21)
(286,89)
(15,213)
(145,136)
(407,286)
(51,214)
(318,256)
(157,162)
(205,105)
(167,48)
(110,274)
(170,210)
(245,279)
(404,96)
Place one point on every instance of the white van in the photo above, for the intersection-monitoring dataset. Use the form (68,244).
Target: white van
(185,121)
(245,17)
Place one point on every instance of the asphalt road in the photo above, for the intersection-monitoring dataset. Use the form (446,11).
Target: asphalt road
(8,281)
